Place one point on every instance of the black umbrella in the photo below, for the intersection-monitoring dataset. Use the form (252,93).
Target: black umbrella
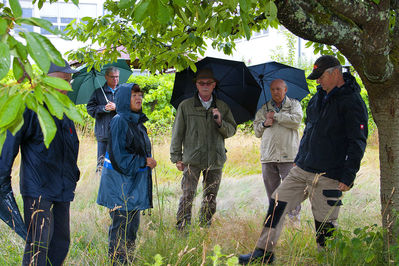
(294,78)
(236,87)
(9,211)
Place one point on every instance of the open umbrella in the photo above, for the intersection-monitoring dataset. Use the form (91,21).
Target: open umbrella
(236,87)
(295,79)
(85,83)
(9,211)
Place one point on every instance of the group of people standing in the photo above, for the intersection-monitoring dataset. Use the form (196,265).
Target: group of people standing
(320,166)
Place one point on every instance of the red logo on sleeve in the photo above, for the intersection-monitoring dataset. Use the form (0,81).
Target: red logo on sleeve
(361,126)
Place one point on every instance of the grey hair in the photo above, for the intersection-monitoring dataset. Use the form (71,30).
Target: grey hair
(111,69)
(331,69)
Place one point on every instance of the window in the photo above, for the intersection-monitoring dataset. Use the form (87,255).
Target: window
(26,13)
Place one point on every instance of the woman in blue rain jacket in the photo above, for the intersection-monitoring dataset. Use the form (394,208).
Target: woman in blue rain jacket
(126,184)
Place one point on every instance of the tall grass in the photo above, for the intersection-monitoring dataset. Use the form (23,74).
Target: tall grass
(242,204)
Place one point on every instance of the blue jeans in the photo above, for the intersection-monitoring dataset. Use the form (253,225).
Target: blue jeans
(48,238)
(122,234)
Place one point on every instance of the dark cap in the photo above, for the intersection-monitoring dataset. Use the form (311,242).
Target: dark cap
(65,69)
(322,63)
(205,73)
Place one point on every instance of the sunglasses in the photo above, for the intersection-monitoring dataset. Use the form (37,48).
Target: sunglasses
(201,83)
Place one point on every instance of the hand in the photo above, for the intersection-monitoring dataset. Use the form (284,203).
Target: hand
(217,116)
(180,165)
(268,122)
(110,106)
(151,162)
(270,115)
(343,187)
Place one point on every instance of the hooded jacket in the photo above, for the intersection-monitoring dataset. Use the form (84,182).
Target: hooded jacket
(195,130)
(126,181)
(280,141)
(96,108)
(335,136)
(48,173)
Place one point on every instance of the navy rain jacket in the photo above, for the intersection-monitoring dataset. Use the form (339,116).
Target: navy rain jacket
(96,108)
(335,136)
(50,173)
(126,181)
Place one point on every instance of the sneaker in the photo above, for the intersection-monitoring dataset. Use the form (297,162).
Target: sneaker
(257,256)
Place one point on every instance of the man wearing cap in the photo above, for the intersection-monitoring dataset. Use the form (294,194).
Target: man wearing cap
(202,123)
(48,178)
(101,106)
(328,158)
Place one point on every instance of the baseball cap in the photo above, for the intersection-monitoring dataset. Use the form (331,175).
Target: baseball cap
(65,69)
(322,63)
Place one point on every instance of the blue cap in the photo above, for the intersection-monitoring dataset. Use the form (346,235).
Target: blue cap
(65,69)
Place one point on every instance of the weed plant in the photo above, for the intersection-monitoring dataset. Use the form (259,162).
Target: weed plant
(242,205)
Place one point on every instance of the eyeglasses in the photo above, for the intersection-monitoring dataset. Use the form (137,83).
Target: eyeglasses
(113,77)
(205,83)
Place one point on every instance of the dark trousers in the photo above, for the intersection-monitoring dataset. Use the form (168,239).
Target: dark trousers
(210,183)
(101,149)
(122,234)
(48,232)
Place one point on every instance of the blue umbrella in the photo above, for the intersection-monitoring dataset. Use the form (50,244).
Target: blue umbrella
(267,72)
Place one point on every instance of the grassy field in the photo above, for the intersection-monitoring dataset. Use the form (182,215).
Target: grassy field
(242,205)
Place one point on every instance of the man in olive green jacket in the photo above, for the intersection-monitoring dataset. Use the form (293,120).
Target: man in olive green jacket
(200,127)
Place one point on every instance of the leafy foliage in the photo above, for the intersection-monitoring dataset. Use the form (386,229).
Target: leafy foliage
(21,86)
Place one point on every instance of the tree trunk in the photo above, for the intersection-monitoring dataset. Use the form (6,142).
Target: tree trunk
(384,103)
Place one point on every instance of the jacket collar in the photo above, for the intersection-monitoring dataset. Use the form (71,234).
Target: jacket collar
(197,102)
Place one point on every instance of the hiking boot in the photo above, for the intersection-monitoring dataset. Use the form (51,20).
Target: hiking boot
(257,256)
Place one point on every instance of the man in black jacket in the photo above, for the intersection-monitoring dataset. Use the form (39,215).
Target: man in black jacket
(328,159)
(48,178)
(101,106)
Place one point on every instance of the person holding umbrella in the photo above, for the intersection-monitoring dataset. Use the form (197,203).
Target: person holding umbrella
(277,123)
(201,125)
(126,179)
(329,156)
(101,106)
(48,178)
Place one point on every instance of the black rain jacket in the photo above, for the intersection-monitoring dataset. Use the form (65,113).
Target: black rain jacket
(335,136)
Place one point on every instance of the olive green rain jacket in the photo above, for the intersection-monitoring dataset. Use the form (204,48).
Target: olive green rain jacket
(196,138)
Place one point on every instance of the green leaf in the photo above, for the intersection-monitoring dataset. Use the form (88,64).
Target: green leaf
(18,122)
(124,4)
(54,105)
(74,114)
(37,52)
(47,125)
(9,110)
(31,101)
(45,24)
(3,135)
(140,10)
(180,3)
(57,83)
(3,26)
(75,2)
(52,52)
(5,60)
(243,6)
(16,8)
(17,69)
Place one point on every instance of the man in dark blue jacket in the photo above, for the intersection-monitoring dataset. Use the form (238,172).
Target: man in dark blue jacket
(47,182)
(331,148)
(101,106)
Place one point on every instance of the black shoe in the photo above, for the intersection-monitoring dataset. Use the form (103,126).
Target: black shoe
(259,256)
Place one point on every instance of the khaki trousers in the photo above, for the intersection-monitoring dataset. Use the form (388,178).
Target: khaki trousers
(323,194)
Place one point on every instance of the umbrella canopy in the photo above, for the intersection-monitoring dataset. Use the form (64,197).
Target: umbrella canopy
(295,79)
(236,86)
(85,83)
(9,211)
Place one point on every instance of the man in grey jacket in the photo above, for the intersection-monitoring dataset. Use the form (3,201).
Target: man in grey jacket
(202,123)
(277,123)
